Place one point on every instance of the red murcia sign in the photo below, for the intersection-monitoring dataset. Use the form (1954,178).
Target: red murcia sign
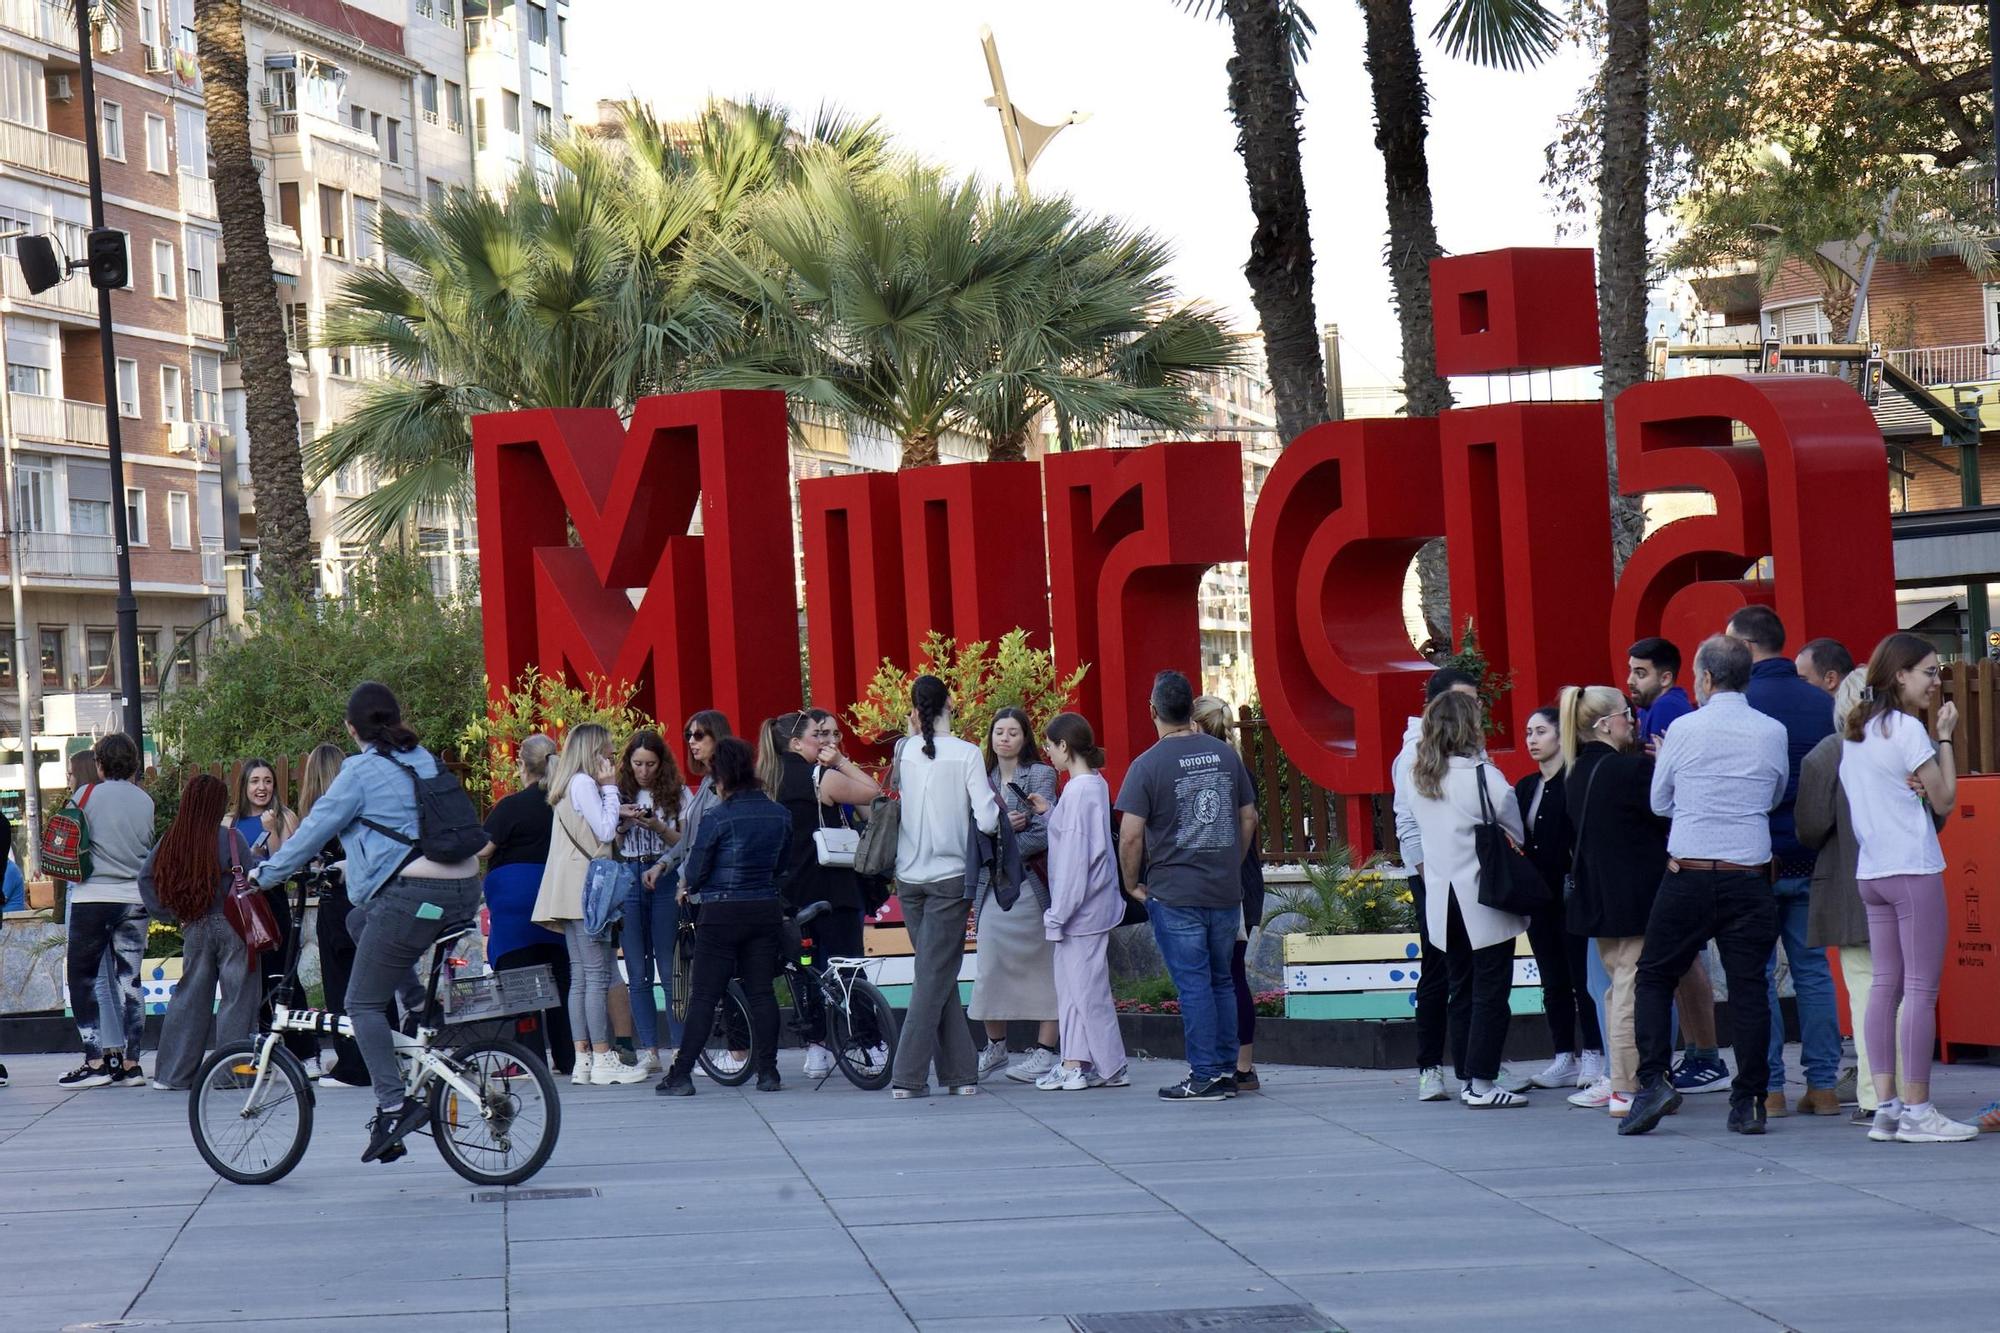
(1100,553)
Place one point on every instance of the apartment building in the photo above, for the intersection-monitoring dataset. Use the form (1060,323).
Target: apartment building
(167,389)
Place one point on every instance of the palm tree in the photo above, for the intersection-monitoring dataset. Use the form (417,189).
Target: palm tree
(1621,236)
(1270,38)
(271,415)
(587,295)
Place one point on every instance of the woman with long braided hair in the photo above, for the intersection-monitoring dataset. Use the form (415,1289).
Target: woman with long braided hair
(184,879)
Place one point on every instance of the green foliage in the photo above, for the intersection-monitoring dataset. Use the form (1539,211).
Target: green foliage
(1339,898)
(283,689)
(162,940)
(983,678)
(549,705)
(1471,659)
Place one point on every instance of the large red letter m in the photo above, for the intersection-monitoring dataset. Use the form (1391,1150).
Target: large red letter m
(715,615)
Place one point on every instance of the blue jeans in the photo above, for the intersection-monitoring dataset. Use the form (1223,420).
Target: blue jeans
(647,937)
(1196,944)
(1812,984)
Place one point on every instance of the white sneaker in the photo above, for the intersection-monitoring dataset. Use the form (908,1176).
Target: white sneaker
(1888,1119)
(1620,1104)
(819,1061)
(1932,1126)
(1038,1062)
(991,1057)
(1121,1079)
(607,1069)
(1073,1080)
(314,1071)
(1513,1081)
(1593,1098)
(1052,1080)
(1430,1085)
(1561,1073)
(729,1062)
(158,1086)
(1592,1069)
(649,1062)
(581,1074)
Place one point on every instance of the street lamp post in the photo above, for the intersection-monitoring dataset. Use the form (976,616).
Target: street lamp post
(128,605)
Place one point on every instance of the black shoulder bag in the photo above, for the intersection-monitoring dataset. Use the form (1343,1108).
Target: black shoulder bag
(1508,880)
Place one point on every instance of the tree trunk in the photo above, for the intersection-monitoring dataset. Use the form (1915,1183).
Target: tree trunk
(1009,448)
(284,529)
(1264,103)
(1396,77)
(920,449)
(1621,243)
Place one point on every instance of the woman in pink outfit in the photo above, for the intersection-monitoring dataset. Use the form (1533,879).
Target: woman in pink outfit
(1084,907)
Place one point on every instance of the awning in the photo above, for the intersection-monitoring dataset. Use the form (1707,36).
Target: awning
(1911,614)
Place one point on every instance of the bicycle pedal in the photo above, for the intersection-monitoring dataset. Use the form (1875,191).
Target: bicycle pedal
(393,1152)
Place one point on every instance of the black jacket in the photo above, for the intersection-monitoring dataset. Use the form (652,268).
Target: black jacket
(1551,837)
(1621,845)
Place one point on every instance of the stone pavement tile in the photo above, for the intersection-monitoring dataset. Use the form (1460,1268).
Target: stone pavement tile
(1788,1220)
(860,1178)
(1000,1194)
(1972,1208)
(57,1295)
(1682,1166)
(668,1208)
(1423,1227)
(1612,1293)
(552,1275)
(435,1321)
(221,1290)
(1945,1284)
(1056,1265)
(999,1323)
(1025,1303)
(678,1306)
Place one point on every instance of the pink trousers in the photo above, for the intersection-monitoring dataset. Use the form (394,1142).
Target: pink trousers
(1906,930)
(1084,1009)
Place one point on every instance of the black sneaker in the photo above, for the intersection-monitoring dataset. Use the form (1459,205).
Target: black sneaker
(3,1076)
(124,1075)
(1247,1080)
(1650,1105)
(1206,1090)
(389,1128)
(1746,1117)
(768,1081)
(674,1085)
(85,1076)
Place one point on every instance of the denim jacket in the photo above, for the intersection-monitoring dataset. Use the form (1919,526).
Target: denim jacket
(737,849)
(369,786)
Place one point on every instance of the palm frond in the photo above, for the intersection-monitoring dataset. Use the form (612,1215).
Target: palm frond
(1507,34)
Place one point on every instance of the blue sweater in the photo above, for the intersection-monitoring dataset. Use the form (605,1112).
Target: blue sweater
(1778,691)
(1664,711)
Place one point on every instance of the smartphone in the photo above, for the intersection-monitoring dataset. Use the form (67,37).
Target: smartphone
(1015,787)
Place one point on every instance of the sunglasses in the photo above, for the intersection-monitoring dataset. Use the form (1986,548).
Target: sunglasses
(697,735)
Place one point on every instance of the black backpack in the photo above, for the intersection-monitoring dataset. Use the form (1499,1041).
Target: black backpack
(448,827)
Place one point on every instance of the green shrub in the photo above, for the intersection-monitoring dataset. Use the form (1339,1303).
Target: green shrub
(983,678)
(1340,899)
(545,704)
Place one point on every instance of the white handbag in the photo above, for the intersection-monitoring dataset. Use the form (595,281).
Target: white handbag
(835,845)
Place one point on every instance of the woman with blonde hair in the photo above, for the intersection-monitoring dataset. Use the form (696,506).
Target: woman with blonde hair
(1218,719)
(583,789)
(518,829)
(1455,790)
(336,942)
(1896,773)
(1620,856)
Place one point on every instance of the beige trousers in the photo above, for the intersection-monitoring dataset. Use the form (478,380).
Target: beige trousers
(1857,971)
(1621,963)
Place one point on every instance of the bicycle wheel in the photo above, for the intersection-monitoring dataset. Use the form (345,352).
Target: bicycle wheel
(508,1133)
(246,1139)
(732,1024)
(866,1067)
(683,979)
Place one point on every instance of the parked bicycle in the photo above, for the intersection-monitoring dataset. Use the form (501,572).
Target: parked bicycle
(855,1008)
(495,1115)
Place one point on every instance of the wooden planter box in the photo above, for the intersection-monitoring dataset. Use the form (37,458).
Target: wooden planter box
(1375,976)
(1326,1043)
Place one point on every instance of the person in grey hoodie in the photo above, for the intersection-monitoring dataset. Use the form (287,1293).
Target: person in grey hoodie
(1432,990)
(107,914)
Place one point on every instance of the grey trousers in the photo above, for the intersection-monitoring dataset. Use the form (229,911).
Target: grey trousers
(592,970)
(211,953)
(934,1028)
(392,931)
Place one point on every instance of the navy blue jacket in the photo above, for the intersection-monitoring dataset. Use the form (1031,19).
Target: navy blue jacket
(1669,708)
(738,848)
(1778,691)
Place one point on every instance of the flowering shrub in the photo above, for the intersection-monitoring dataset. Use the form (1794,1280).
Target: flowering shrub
(1270,1003)
(983,678)
(1340,899)
(162,940)
(549,705)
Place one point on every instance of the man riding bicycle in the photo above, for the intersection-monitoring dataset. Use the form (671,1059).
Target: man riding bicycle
(404,901)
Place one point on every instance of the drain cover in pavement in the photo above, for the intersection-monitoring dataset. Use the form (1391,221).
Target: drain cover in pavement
(532,1196)
(1224,1319)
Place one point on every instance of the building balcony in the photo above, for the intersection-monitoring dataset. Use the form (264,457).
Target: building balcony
(1965,363)
(73,297)
(56,420)
(211,563)
(204,318)
(284,123)
(68,555)
(38,150)
(43,20)
(489,34)
(200,440)
(197,196)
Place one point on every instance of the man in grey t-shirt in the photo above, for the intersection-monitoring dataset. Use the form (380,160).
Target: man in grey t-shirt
(1191,811)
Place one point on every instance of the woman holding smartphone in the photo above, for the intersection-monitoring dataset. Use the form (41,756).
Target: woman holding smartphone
(1017,979)
(652,800)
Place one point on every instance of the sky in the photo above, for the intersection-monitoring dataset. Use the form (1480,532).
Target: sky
(1158,149)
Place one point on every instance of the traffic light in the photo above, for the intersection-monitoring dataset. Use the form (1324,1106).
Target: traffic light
(1770,363)
(1871,380)
(110,259)
(41,267)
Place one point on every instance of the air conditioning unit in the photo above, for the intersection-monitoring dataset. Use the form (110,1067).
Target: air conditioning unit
(60,89)
(264,95)
(156,60)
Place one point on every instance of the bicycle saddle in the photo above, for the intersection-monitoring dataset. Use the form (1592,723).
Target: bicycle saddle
(807,913)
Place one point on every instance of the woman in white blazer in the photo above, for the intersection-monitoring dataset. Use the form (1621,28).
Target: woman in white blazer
(1479,941)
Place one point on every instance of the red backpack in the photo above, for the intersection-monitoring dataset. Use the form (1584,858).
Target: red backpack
(66,840)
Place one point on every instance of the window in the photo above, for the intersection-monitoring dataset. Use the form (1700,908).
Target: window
(111,134)
(7,655)
(150,31)
(297,330)
(333,220)
(89,497)
(179,533)
(538,24)
(364,229)
(427,88)
(545,122)
(34,494)
(479,123)
(156,144)
(562,35)
(128,387)
(23,98)
(191,140)
(149,659)
(171,404)
(393,144)
(454,106)
(375,126)
(27,379)
(163,269)
(281,89)
(55,657)
(340,361)
(433,190)
(135,515)
(510,111)
(207,368)
(100,659)
(201,281)
(358,117)
(288,204)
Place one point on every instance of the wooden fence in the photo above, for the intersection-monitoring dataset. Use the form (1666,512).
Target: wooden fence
(1975,688)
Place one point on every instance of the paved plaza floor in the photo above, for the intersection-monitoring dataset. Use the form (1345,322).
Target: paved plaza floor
(1017,1209)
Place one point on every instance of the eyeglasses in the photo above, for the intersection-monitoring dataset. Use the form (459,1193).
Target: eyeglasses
(697,735)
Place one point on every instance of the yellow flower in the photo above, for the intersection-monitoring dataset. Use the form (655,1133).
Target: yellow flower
(1371,902)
